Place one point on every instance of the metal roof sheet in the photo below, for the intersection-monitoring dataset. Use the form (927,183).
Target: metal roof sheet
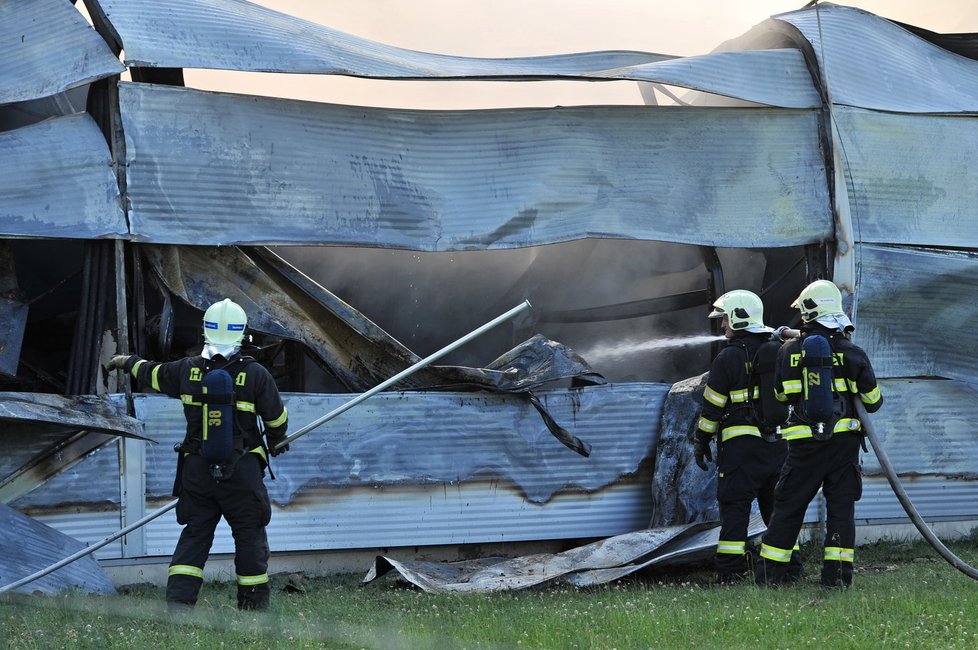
(916,310)
(46,48)
(773,77)
(239,35)
(872,63)
(56,180)
(278,171)
(905,177)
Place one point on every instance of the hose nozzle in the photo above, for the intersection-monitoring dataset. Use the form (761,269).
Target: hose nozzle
(785,333)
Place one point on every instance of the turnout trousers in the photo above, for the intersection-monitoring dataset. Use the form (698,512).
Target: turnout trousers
(748,469)
(833,466)
(243,502)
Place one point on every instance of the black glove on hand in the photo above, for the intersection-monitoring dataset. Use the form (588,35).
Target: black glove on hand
(272,449)
(702,453)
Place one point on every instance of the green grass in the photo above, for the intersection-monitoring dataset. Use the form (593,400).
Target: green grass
(904,596)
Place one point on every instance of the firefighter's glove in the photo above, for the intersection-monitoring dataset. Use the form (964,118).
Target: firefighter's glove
(118,361)
(702,453)
(274,450)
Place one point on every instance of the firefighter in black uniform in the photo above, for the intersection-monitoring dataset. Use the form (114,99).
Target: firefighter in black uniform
(823,454)
(749,461)
(232,487)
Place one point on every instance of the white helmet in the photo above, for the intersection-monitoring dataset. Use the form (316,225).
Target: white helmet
(818,300)
(224,323)
(743,309)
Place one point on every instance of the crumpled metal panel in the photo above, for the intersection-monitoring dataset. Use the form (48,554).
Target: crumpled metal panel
(442,438)
(927,428)
(872,63)
(330,174)
(772,77)
(239,35)
(916,312)
(13,315)
(46,48)
(486,575)
(87,412)
(29,546)
(905,179)
(56,180)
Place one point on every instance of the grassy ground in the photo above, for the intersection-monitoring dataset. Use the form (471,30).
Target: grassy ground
(904,596)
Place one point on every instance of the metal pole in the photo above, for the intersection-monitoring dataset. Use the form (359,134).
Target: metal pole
(404,373)
(90,549)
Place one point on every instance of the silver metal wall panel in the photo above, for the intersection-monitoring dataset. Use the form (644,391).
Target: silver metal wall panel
(46,48)
(905,179)
(442,438)
(927,428)
(872,63)
(209,168)
(90,483)
(56,180)
(772,77)
(934,497)
(916,311)
(239,35)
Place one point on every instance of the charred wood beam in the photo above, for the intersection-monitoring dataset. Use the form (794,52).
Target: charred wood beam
(84,358)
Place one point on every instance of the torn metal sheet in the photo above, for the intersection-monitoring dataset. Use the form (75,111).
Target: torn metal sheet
(523,572)
(239,35)
(698,546)
(88,412)
(905,180)
(870,62)
(916,310)
(772,77)
(330,174)
(445,438)
(681,491)
(46,48)
(13,315)
(57,180)
(29,546)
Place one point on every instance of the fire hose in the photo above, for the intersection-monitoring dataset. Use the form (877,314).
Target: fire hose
(301,432)
(785,333)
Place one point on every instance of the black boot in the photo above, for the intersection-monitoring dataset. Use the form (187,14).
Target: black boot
(254,597)
(836,574)
(768,572)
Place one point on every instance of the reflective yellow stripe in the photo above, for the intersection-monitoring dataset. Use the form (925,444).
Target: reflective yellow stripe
(189,400)
(277,422)
(774,553)
(733,432)
(260,452)
(707,425)
(714,397)
(253,580)
(186,570)
(841,386)
(871,397)
(135,367)
(839,553)
(738,396)
(847,424)
(156,378)
(731,548)
(245,406)
(796,432)
(792,386)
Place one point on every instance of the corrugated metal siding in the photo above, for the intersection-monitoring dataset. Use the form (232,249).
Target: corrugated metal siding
(453,180)
(908,180)
(46,48)
(872,63)
(56,180)
(772,77)
(237,35)
(916,312)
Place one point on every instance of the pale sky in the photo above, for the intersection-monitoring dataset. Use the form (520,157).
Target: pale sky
(504,28)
